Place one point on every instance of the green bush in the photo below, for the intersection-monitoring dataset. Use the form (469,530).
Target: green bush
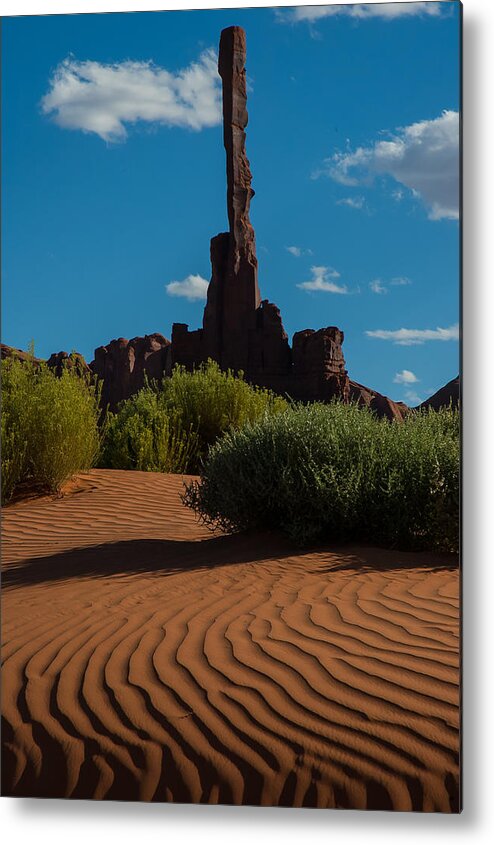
(211,402)
(144,435)
(170,427)
(15,381)
(337,472)
(49,425)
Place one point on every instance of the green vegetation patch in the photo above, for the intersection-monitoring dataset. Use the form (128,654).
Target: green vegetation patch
(144,434)
(49,425)
(170,427)
(336,472)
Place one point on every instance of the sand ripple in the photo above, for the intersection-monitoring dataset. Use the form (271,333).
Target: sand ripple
(145,659)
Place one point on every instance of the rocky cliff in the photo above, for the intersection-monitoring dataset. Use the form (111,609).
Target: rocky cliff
(124,365)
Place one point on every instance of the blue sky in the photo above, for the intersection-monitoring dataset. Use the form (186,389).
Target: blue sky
(114,178)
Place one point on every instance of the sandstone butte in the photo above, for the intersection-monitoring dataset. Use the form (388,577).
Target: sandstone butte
(240,331)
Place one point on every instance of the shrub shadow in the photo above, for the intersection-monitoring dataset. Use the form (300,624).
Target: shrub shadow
(363,558)
(146,557)
(167,557)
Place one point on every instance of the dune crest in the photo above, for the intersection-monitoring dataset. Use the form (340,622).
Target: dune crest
(145,658)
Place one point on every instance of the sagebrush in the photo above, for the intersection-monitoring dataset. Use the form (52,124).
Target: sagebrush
(337,472)
(49,425)
(170,427)
(146,435)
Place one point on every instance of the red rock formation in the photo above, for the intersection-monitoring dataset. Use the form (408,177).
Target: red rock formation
(124,364)
(381,405)
(12,352)
(233,294)
(239,331)
(239,287)
(445,396)
(270,356)
(60,361)
(319,372)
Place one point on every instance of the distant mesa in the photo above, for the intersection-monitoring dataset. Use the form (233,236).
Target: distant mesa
(445,396)
(239,330)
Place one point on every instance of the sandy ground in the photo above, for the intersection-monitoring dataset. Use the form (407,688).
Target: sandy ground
(145,658)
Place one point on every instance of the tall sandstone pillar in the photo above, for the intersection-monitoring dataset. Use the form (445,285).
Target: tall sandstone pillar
(240,331)
(233,294)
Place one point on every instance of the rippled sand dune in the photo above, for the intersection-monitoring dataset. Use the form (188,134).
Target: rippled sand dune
(145,658)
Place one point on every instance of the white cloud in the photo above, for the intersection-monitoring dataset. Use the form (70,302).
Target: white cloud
(414,337)
(192,288)
(412,397)
(321,277)
(376,286)
(99,98)
(400,281)
(352,202)
(386,11)
(423,157)
(297,251)
(405,377)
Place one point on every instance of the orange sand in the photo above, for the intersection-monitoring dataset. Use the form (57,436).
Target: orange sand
(145,658)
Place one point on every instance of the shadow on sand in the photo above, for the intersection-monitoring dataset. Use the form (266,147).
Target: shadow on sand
(166,557)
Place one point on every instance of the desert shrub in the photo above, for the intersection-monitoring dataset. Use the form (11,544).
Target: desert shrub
(15,391)
(211,402)
(145,435)
(13,451)
(337,472)
(412,484)
(49,425)
(170,427)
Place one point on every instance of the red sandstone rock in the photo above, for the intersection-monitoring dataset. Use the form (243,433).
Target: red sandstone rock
(212,322)
(319,372)
(187,347)
(233,294)
(449,394)
(239,331)
(12,352)
(124,364)
(270,356)
(231,67)
(60,361)
(381,405)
